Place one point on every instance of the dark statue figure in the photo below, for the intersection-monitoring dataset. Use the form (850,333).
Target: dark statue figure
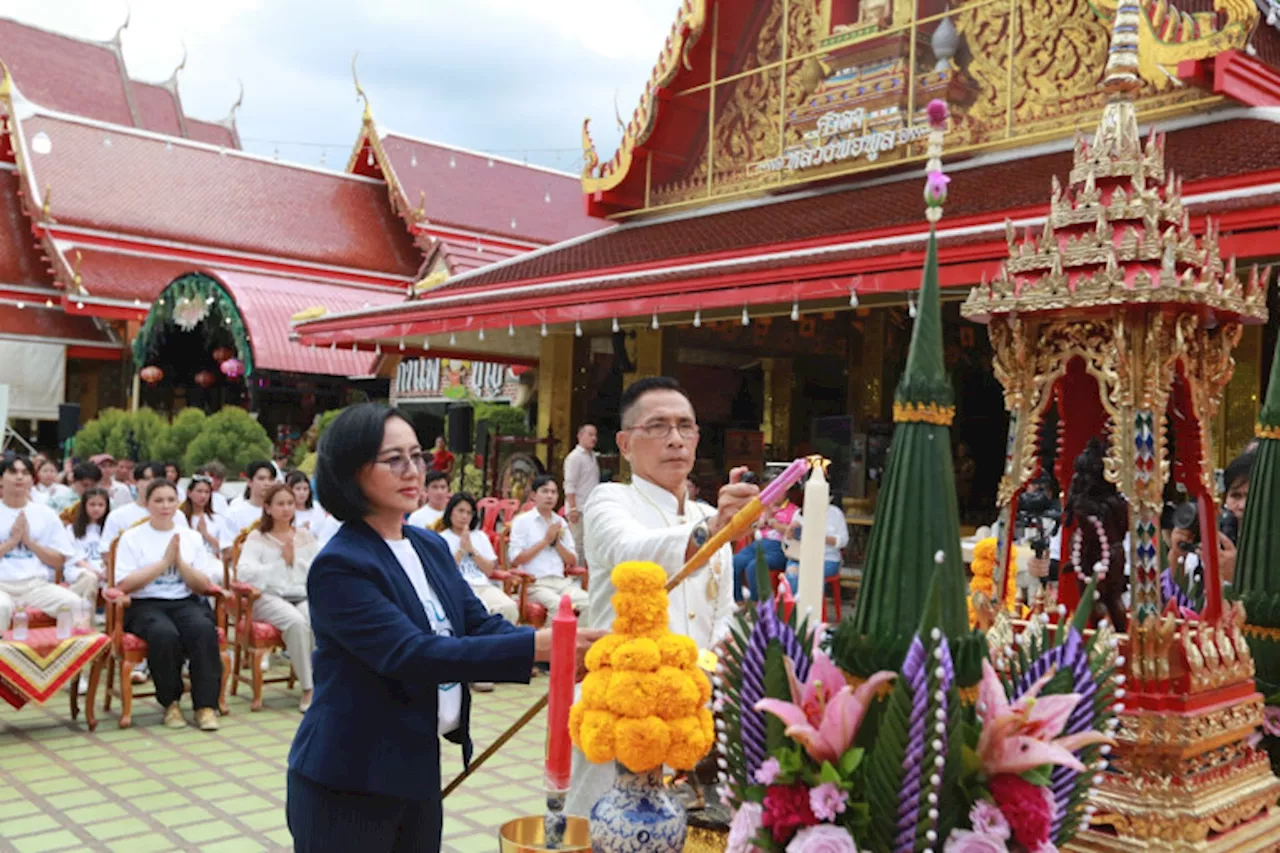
(1091,497)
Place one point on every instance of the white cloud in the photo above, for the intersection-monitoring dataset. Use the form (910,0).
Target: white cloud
(500,75)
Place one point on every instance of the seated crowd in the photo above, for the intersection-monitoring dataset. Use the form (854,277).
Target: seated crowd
(173,547)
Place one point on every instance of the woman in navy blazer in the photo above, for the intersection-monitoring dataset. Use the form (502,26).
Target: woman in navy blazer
(399,635)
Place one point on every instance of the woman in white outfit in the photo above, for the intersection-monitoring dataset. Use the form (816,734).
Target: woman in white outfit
(46,489)
(275,559)
(215,530)
(310,515)
(84,571)
(474,554)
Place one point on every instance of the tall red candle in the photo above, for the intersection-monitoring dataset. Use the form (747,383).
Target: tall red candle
(564,638)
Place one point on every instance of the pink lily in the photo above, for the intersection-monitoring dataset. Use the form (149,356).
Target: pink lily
(824,713)
(1023,735)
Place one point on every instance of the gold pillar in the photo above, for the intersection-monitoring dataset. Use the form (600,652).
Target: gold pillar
(779,378)
(555,393)
(648,357)
(1233,428)
(866,368)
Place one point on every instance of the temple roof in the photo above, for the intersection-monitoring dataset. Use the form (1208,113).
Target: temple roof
(473,208)
(134,184)
(1227,146)
(89,78)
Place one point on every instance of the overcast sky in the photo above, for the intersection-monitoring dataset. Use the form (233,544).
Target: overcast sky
(506,77)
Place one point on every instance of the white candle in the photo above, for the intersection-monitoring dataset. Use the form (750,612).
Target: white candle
(813,541)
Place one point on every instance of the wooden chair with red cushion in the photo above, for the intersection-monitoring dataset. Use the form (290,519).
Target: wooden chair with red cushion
(254,640)
(129,650)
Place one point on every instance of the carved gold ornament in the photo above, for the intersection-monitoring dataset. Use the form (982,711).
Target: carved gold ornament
(923,413)
(1263,431)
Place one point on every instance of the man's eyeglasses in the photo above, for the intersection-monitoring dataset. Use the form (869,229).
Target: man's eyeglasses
(399,463)
(658,430)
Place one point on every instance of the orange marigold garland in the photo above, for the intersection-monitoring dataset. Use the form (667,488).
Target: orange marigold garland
(644,698)
(983,569)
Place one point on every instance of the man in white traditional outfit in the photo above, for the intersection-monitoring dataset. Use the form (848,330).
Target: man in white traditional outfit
(650,519)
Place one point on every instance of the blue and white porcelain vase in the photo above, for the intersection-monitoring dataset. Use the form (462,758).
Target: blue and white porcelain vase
(638,815)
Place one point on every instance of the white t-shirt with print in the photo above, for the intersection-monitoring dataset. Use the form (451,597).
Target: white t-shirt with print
(21,563)
(88,548)
(424,516)
(120,520)
(143,545)
(450,702)
(470,571)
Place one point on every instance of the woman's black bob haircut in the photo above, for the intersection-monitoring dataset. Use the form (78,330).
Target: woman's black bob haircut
(460,498)
(350,443)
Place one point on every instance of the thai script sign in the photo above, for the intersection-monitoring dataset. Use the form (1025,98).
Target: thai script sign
(869,144)
(426,380)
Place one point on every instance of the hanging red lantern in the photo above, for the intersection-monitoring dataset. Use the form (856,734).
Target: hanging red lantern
(221,354)
(205,378)
(151,374)
(232,368)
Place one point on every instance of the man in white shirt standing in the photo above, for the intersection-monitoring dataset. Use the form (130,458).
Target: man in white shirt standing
(581,475)
(652,518)
(438,494)
(33,545)
(542,546)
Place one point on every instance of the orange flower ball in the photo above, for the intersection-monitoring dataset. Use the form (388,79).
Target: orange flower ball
(702,683)
(576,713)
(631,694)
(676,694)
(641,745)
(678,650)
(689,742)
(595,690)
(597,736)
(639,654)
(638,577)
(601,650)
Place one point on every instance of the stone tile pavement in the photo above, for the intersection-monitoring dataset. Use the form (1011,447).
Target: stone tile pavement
(149,788)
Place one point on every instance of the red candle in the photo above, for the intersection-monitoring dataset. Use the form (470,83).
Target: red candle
(564,638)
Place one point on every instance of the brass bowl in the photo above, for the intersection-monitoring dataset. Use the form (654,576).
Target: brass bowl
(524,835)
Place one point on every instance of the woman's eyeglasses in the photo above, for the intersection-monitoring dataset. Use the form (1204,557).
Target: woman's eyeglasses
(661,429)
(399,463)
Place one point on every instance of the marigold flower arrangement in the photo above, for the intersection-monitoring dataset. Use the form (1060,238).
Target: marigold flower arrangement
(983,583)
(644,700)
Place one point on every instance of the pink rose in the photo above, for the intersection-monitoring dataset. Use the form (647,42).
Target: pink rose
(963,841)
(746,823)
(768,772)
(827,801)
(987,819)
(937,113)
(824,838)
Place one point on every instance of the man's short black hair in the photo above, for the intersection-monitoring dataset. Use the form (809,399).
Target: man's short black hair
(1238,469)
(87,471)
(156,470)
(257,465)
(540,481)
(10,462)
(350,443)
(434,475)
(640,387)
(460,498)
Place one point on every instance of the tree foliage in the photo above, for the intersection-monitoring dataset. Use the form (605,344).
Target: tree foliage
(185,427)
(93,436)
(232,437)
(139,435)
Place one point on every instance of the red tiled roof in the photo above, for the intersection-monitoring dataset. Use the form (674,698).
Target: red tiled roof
(210,132)
(146,186)
(20,258)
(65,73)
(268,303)
(1220,150)
(482,193)
(35,320)
(464,255)
(156,107)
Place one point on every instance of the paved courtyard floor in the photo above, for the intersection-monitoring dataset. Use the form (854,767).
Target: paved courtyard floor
(149,788)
